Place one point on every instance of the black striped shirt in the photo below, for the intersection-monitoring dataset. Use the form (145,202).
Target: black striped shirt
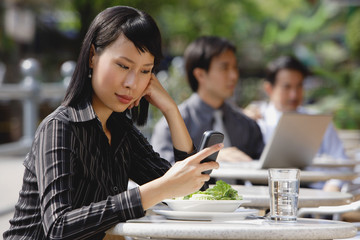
(75,182)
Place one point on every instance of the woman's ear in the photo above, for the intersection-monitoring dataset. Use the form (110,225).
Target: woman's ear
(199,74)
(91,56)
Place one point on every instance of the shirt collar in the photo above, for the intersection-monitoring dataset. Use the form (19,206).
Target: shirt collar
(207,112)
(271,111)
(197,102)
(82,112)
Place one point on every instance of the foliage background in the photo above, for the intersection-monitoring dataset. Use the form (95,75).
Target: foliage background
(324,34)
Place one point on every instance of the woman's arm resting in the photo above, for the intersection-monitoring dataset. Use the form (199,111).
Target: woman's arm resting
(160,98)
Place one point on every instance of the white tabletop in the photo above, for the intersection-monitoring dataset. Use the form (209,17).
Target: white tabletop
(261,175)
(328,162)
(259,197)
(159,228)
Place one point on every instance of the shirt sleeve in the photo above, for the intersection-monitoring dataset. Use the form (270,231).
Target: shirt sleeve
(251,138)
(161,141)
(181,155)
(55,174)
(146,164)
(332,145)
(257,141)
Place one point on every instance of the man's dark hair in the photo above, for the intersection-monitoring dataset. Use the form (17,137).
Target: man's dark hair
(284,62)
(200,53)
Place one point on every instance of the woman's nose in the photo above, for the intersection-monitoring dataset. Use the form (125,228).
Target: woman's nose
(130,80)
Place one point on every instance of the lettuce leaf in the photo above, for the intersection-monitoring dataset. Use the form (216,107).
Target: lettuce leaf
(221,191)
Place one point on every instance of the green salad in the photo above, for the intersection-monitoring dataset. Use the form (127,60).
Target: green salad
(221,191)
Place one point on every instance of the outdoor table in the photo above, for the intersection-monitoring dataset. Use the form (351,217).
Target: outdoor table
(328,162)
(157,227)
(259,197)
(260,176)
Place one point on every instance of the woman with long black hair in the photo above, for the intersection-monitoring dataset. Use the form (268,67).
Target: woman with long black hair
(85,152)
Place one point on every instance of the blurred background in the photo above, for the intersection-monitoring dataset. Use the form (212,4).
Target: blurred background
(40,41)
(324,34)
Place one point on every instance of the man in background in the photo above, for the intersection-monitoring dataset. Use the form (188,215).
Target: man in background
(212,72)
(284,87)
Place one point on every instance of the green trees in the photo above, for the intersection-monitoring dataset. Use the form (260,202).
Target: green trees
(324,34)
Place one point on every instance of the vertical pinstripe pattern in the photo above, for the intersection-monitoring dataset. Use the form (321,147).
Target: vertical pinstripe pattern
(75,183)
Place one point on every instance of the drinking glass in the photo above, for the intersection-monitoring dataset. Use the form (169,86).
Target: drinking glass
(284,192)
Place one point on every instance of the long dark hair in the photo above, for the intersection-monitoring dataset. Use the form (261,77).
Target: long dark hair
(138,26)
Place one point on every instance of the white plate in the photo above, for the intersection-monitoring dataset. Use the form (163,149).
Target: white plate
(239,214)
(204,205)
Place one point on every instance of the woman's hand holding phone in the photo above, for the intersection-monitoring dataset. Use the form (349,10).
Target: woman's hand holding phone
(186,177)
(210,138)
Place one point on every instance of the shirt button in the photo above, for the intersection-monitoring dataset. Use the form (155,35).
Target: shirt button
(115,188)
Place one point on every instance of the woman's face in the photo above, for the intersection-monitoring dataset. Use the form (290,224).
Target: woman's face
(120,75)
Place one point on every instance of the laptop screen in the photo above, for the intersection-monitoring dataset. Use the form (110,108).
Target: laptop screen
(295,141)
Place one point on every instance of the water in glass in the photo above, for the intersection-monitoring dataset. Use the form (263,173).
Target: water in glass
(283,199)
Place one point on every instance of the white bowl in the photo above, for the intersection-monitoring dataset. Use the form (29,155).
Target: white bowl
(204,205)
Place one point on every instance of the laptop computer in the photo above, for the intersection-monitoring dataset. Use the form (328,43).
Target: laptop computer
(294,143)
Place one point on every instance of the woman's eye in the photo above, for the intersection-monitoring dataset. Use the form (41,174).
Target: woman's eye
(146,71)
(123,66)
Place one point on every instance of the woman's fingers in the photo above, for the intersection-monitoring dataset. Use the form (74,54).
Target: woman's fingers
(137,102)
(144,94)
(187,176)
(205,166)
(131,106)
(206,152)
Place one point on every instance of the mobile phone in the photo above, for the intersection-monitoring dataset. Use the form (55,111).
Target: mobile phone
(208,139)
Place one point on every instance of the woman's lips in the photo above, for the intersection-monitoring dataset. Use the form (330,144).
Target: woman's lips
(124,98)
